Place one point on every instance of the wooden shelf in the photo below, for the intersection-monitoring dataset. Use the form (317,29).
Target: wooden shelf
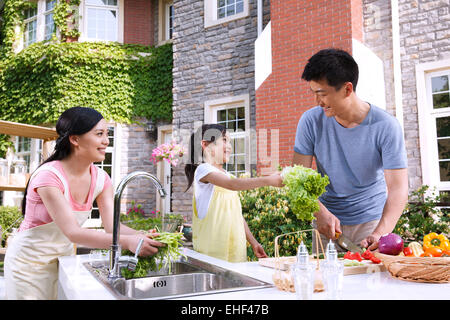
(27,130)
(11,188)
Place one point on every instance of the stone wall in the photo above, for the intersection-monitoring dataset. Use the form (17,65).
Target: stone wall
(136,149)
(209,63)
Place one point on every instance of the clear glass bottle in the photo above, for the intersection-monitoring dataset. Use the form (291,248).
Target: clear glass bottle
(333,273)
(303,272)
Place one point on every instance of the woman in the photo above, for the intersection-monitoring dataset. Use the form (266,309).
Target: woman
(57,200)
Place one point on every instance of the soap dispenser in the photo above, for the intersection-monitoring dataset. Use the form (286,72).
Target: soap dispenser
(303,272)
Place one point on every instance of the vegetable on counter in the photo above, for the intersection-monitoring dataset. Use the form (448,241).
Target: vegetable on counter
(304,187)
(416,248)
(391,244)
(367,255)
(433,240)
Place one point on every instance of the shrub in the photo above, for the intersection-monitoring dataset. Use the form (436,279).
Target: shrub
(421,216)
(10,217)
(268,215)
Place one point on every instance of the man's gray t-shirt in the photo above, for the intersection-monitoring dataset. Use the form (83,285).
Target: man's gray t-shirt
(353,159)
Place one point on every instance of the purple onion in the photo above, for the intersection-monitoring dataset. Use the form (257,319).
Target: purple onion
(390,243)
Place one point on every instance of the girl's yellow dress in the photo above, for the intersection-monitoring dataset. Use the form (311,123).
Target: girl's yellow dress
(221,233)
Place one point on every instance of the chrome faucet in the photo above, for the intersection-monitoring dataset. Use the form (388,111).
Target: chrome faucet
(116,262)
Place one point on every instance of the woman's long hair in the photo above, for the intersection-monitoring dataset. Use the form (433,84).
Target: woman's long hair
(73,121)
(207,132)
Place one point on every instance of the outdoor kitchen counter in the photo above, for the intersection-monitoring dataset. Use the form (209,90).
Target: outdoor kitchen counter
(75,283)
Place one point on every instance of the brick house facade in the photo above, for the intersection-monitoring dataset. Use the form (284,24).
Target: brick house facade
(402,48)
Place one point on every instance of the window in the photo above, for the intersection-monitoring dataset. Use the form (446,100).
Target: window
(165,20)
(39,24)
(233,113)
(221,11)
(234,120)
(102,19)
(29,150)
(30,32)
(169,21)
(227,8)
(433,97)
(49,23)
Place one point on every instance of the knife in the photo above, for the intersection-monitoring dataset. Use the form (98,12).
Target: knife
(345,242)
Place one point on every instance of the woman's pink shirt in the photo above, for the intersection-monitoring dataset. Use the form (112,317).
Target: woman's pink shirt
(36,212)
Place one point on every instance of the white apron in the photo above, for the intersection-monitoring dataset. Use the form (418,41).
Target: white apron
(31,260)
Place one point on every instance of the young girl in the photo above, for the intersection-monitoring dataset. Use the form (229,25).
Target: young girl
(57,200)
(218,227)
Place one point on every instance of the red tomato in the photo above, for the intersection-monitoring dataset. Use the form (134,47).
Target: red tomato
(408,252)
(375,259)
(357,256)
(367,254)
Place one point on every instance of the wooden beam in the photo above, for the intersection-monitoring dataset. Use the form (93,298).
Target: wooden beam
(27,130)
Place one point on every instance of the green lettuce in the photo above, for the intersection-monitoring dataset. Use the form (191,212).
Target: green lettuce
(304,187)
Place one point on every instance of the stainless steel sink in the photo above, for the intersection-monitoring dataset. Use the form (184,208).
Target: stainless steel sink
(189,277)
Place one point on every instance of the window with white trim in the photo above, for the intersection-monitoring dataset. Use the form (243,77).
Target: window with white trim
(101,18)
(30,32)
(234,114)
(165,20)
(441,112)
(49,23)
(29,150)
(433,94)
(221,11)
(39,24)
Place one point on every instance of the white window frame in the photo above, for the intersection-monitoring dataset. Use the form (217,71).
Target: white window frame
(24,43)
(40,24)
(163,21)
(211,107)
(211,19)
(45,14)
(84,20)
(35,153)
(427,122)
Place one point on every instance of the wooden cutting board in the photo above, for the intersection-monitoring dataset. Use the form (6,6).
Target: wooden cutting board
(284,263)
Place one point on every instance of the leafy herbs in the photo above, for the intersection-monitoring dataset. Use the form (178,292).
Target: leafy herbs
(164,257)
(304,186)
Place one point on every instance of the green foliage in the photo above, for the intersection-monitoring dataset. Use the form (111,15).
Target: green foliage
(120,81)
(66,18)
(421,216)
(304,186)
(268,214)
(10,217)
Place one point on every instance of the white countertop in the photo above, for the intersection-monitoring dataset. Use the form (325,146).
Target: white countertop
(76,283)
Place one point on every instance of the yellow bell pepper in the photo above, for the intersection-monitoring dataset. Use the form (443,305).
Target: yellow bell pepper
(433,240)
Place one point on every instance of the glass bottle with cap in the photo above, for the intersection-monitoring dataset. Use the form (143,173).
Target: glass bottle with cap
(303,272)
(333,273)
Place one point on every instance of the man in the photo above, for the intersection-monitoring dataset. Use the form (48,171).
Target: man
(361,149)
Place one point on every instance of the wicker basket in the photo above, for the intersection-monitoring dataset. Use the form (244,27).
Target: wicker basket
(417,269)
(283,279)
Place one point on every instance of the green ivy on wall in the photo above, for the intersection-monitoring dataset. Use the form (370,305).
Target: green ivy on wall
(121,81)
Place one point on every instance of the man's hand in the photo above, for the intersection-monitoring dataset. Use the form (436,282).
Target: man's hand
(370,242)
(327,223)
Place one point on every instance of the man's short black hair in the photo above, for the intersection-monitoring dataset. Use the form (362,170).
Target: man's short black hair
(335,65)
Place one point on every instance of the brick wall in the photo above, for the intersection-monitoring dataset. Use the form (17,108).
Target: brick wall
(139,22)
(299,29)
